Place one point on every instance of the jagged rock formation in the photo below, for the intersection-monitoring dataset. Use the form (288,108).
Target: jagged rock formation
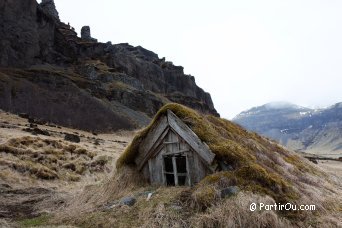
(120,85)
(316,131)
(50,7)
(85,34)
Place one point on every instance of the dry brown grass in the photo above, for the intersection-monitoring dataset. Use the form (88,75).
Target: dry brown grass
(234,212)
(94,197)
(175,207)
(49,159)
(193,207)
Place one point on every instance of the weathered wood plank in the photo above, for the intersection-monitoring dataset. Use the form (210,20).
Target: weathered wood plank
(190,137)
(191,170)
(199,168)
(152,136)
(159,169)
(146,172)
(168,138)
(188,171)
(177,152)
(174,146)
(170,142)
(183,145)
(175,170)
(156,148)
(159,143)
(150,167)
(163,169)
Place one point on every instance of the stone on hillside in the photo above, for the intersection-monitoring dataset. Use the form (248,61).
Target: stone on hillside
(37,131)
(24,115)
(129,201)
(72,138)
(32,125)
(225,167)
(232,190)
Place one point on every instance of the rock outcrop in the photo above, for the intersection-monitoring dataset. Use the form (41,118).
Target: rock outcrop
(50,7)
(85,34)
(120,85)
(27,34)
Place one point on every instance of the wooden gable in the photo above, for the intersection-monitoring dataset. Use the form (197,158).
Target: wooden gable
(155,139)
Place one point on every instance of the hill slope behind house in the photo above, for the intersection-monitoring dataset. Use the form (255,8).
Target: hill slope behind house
(263,171)
(50,73)
(298,128)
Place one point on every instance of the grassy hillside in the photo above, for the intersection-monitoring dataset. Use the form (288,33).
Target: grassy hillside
(264,172)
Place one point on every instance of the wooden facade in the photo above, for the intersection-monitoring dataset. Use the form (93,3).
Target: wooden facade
(172,154)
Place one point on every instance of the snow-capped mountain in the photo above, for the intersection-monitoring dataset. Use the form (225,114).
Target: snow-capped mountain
(316,131)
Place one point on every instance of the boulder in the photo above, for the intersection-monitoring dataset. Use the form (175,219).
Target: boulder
(37,131)
(32,125)
(129,201)
(24,115)
(72,138)
(36,121)
(227,192)
(225,167)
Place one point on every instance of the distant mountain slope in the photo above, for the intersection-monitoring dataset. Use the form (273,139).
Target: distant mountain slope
(50,73)
(299,128)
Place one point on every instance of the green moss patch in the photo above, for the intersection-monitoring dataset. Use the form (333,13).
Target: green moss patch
(37,221)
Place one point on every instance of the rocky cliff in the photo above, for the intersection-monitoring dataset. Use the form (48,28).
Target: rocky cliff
(316,131)
(52,74)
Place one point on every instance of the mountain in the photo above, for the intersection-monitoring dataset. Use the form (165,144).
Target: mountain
(52,75)
(316,131)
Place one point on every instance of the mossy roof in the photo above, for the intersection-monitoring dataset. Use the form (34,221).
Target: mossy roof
(258,162)
(227,140)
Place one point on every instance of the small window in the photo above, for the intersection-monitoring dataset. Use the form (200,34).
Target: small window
(181,164)
(175,170)
(168,164)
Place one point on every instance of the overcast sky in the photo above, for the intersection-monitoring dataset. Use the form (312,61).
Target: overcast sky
(245,53)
